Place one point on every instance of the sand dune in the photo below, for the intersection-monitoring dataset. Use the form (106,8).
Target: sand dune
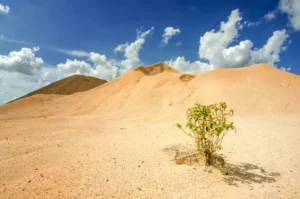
(68,86)
(118,140)
(159,89)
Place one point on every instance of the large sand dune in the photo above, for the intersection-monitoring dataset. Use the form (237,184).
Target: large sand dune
(162,91)
(118,140)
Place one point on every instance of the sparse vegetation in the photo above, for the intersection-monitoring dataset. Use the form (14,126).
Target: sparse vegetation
(208,126)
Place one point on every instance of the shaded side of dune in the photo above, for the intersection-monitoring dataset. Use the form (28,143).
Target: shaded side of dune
(68,86)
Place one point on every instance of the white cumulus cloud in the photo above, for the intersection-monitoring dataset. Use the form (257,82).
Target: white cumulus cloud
(292,9)
(213,44)
(169,33)
(4,9)
(215,50)
(105,68)
(131,51)
(270,52)
(186,66)
(100,66)
(22,72)
(15,84)
(23,61)
(75,67)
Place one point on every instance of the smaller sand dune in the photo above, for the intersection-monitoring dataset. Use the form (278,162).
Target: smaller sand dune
(68,86)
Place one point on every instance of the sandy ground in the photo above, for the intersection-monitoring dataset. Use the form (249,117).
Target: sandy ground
(79,158)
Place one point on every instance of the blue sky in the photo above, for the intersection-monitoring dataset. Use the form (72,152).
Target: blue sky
(59,27)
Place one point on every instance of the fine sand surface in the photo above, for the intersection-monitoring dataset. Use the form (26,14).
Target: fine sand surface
(119,140)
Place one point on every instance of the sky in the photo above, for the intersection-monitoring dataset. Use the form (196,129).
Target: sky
(44,41)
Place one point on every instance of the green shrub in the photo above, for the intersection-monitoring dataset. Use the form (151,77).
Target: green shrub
(208,126)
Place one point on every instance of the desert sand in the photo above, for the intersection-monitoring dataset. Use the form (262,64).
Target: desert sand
(119,140)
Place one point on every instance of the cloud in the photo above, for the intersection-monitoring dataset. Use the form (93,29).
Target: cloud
(97,65)
(285,69)
(213,44)
(215,50)
(186,66)
(131,51)
(3,38)
(250,24)
(22,72)
(270,52)
(75,67)
(23,61)
(4,9)
(270,15)
(35,49)
(121,48)
(178,43)
(105,68)
(75,53)
(14,84)
(169,33)
(100,66)
(292,9)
